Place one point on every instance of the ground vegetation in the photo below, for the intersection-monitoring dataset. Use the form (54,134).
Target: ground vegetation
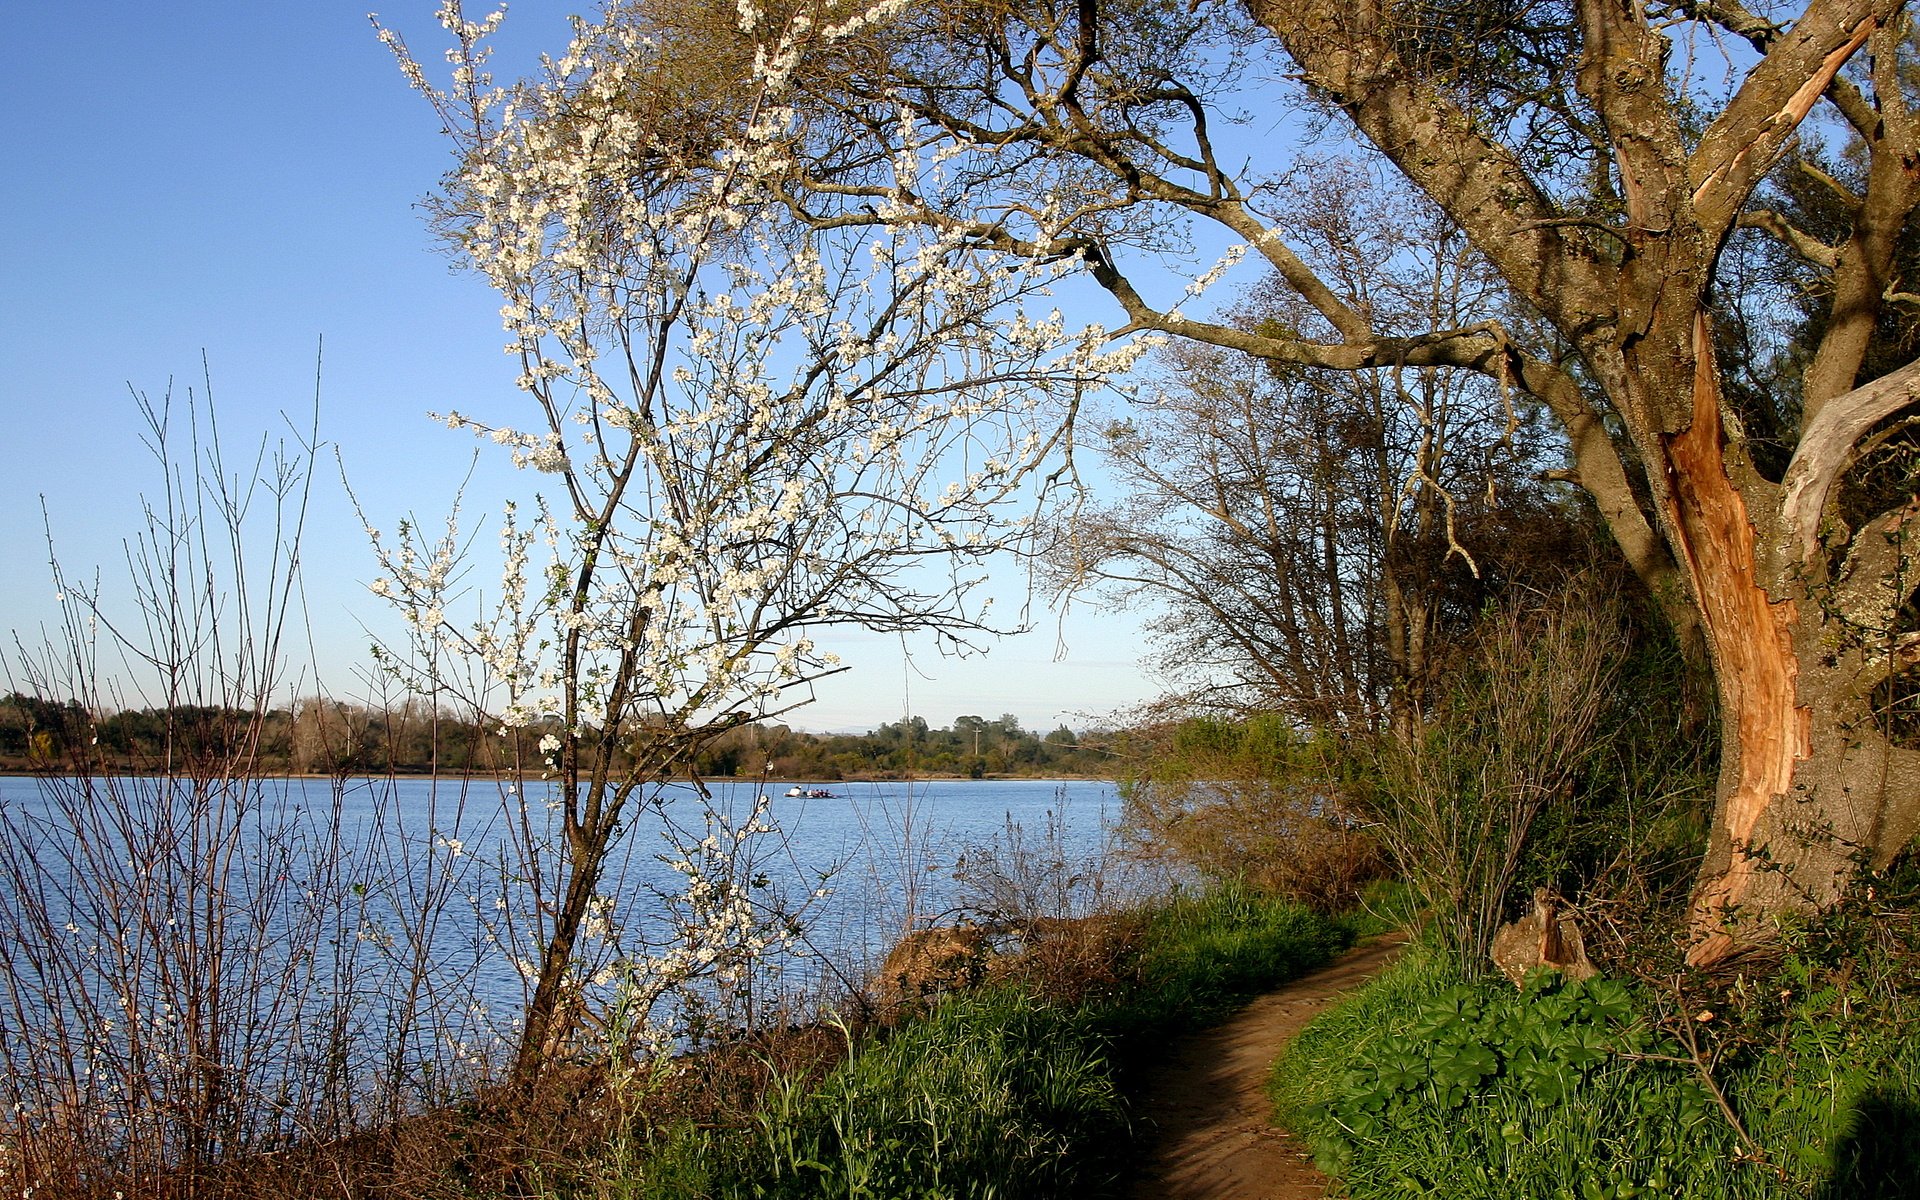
(1016,1088)
(1791,1077)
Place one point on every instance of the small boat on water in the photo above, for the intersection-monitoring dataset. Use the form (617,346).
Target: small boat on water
(810,793)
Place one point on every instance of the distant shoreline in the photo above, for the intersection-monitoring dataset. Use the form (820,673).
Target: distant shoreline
(115,772)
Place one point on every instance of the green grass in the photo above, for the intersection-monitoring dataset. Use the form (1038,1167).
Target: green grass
(1417,1087)
(1202,957)
(996,1096)
(1311,1071)
(998,1092)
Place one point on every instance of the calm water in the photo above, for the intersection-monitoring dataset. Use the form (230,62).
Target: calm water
(270,943)
(860,865)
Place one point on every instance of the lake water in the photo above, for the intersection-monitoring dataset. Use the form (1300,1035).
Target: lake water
(319,876)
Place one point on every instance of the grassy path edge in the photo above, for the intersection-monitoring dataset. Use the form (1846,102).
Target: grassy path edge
(1208,1102)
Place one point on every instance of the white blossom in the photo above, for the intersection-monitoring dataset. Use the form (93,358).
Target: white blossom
(743,434)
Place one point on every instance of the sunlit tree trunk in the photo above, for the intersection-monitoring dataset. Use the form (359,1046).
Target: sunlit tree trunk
(1808,786)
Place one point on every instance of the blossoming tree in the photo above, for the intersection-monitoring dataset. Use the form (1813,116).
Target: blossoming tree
(752,433)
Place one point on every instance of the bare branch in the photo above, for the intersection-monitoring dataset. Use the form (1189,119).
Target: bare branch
(1743,141)
(1826,449)
(1762,35)
(1804,244)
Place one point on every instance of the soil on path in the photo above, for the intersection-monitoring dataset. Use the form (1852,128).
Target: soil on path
(1207,1101)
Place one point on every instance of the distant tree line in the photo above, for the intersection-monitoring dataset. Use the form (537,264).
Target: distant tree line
(323,736)
(315,736)
(972,746)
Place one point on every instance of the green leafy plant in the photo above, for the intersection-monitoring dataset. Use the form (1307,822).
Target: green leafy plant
(1014,1089)
(1545,1041)
(1791,1078)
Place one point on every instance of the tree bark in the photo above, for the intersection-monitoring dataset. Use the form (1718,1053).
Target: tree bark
(1808,787)
(1620,259)
(1765,727)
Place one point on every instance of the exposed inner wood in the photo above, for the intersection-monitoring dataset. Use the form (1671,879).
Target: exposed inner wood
(1751,639)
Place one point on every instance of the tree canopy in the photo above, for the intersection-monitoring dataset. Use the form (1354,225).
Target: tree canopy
(1602,156)
(1607,159)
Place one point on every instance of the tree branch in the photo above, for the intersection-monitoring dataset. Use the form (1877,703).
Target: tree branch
(1744,140)
(1826,449)
(1762,34)
(1808,247)
(1346,53)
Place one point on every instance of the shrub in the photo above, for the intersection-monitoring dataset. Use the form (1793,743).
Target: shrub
(1459,793)
(1203,956)
(1253,803)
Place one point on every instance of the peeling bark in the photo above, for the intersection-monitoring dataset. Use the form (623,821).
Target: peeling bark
(1766,729)
(1826,450)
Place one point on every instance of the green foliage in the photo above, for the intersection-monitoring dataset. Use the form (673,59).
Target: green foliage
(22,716)
(1254,802)
(1516,731)
(1585,1090)
(1317,1060)
(998,1092)
(1484,1091)
(1561,753)
(329,736)
(1203,956)
(1547,1041)
(972,746)
(1637,824)
(1826,1045)
(997,1095)
(1386,906)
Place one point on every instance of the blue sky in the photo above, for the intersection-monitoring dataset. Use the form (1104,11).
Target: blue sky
(240,180)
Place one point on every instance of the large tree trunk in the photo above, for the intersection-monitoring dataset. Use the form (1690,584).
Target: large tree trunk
(1809,788)
(1765,728)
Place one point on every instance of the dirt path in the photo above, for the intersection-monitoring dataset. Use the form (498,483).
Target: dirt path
(1208,1099)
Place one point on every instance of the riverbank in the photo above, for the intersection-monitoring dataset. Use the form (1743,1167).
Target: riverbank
(1021,1080)
(1027,1085)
